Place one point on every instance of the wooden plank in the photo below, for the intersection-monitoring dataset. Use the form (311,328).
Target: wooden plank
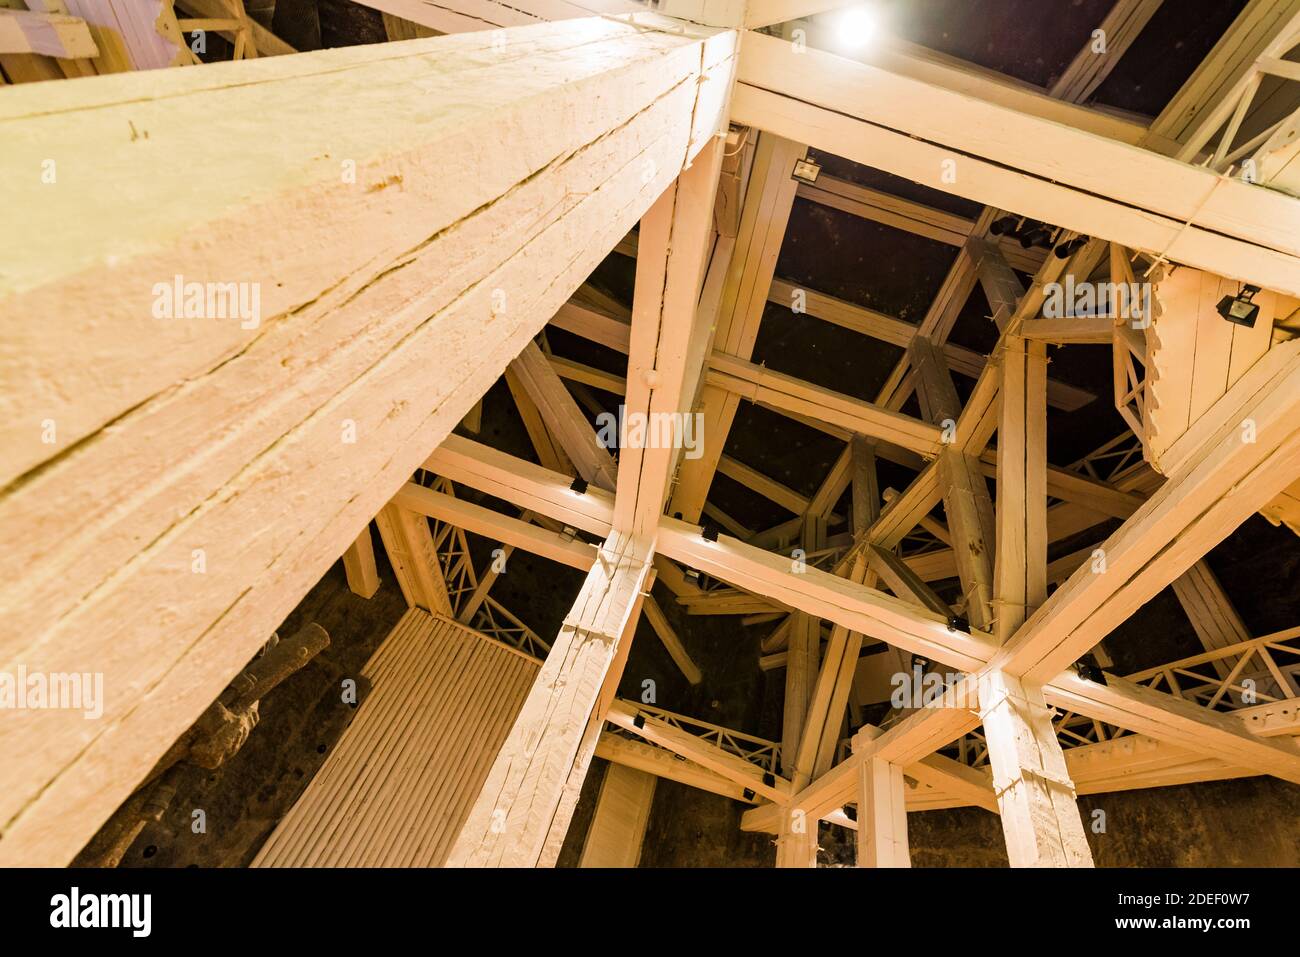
(136,501)
(563,418)
(669,766)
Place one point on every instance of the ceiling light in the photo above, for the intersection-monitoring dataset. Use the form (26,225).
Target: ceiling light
(856,27)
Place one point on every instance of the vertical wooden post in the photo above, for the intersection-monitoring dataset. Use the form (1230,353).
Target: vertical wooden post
(882,815)
(1040,816)
(359,565)
(410,550)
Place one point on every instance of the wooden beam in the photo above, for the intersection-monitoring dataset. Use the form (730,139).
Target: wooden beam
(882,815)
(788,394)
(563,418)
(764,217)
(626,715)
(1090,67)
(509,822)
(669,338)
(1064,176)
(672,642)
(618,825)
(1040,817)
(555,546)
(669,766)
(411,552)
(359,565)
(355,339)
(1020,569)
(962,361)
(48,34)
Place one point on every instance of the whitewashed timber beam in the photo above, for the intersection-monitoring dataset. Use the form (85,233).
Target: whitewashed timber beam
(347,334)
(1012,160)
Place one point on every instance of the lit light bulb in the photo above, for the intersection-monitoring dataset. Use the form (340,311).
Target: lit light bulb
(856,27)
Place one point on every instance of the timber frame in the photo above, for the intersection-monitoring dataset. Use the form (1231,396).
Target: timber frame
(322,415)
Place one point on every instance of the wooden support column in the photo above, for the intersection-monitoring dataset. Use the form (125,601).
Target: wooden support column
(1020,575)
(802,663)
(966,499)
(882,814)
(768,201)
(409,544)
(669,338)
(509,823)
(1040,816)
(359,565)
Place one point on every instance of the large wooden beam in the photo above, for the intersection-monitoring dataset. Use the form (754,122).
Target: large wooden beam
(669,338)
(312,420)
(564,420)
(764,216)
(510,821)
(1012,160)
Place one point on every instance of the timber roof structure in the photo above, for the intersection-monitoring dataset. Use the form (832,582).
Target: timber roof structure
(933,365)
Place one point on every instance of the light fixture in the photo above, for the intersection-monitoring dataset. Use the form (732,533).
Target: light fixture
(856,27)
(579,485)
(709,532)
(957,623)
(1239,308)
(805,171)
(1089,670)
(1067,249)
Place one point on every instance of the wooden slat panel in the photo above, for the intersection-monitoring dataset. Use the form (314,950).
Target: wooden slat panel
(402,778)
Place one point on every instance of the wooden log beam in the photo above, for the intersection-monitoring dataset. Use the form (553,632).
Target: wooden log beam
(1078,180)
(672,642)
(1040,817)
(764,216)
(509,823)
(329,402)
(359,565)
(563,418)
